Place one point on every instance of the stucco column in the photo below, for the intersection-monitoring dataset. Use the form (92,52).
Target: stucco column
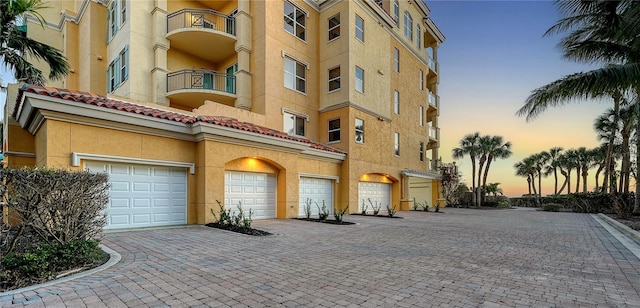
(243,48)
(160,47)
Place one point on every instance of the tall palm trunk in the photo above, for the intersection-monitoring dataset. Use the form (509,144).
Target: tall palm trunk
(601,167)
(479,193)
(533,184)
(473,179)
(555,180)
(564,184)
(608,180)
(568,181)
(529,182)
(626,162)
(539,182)
(585,173)
(636,201)
(578,178)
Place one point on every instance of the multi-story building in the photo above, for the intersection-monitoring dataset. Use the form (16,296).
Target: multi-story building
(268,103)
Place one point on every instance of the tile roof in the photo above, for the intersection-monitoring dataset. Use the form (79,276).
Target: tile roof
(105,102)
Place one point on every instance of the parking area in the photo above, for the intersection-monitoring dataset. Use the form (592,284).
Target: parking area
(460,258)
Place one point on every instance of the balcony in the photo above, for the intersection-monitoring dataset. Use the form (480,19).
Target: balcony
(204,33)
(434,136)
(434,101)
(433,66)
(190,88)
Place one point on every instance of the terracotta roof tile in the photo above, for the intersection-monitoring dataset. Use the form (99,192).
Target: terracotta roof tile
(105,102)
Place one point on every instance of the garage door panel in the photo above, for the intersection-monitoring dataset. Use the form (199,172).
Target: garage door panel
(376,192)
(256,191)
(316,190)
(144,196)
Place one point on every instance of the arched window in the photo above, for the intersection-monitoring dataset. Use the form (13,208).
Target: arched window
(408,26)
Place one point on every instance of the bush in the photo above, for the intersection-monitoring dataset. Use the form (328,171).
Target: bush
(590,202)
(497,201)
(45,261)
(551,207)
(58,206)
(338,214)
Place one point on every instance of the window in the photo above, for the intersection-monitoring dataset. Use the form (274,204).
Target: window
(334,79)
(124,65)
(396,102)
(421,116)
(418,37)
(118,70)
(408,26)
(294,125)
(295,20)
(396,60)
(396,10)
(295,75)
(334,27)
(421,151)
(359,130)
(123,11)
(396,144)
(421,80)
(112,19)
(334,130)
(359,28)
(359,80)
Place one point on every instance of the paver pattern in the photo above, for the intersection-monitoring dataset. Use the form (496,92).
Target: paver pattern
(462,258)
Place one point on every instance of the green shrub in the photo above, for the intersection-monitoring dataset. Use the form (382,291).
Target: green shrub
(46,260)
(323,212)
(375,207)
(307,208)
(391,211)
(364,208)
(551,207)
(338,214)
(56,206)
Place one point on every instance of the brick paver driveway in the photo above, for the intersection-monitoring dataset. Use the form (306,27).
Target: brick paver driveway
(464,257)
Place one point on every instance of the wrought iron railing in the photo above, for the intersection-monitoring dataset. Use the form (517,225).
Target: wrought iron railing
(201,79)
(201,19)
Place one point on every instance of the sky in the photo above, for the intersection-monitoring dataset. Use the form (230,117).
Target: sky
(494,55)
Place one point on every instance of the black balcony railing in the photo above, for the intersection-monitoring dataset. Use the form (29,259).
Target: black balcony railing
(201,19)
(201,79)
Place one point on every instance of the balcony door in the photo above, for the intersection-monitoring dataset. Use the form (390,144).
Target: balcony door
(231,78)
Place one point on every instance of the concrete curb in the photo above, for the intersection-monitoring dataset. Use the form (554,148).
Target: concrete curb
(632,234)
(114,258)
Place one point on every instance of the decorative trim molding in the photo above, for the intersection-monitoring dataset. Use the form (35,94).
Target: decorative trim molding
(77,157)
(355,106)
(420,174)
(319,176)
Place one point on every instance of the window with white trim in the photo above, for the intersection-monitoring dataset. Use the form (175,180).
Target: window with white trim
(418,37)
(334,27)
(359,80)
(421,116)
(295,75)
(334,130)
(118,70)
(421,80)
(123,11)
(396,144)
(396,11)
(396,102)
(359,129)
(396,60)
(112,19)
(294,124)
(295,20)
(421,151)
(359,28)
(408,26)
(334,79)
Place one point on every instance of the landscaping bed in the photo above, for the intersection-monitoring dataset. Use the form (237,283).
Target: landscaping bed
(632,222)
(243,230)
(327,221)
(371,215)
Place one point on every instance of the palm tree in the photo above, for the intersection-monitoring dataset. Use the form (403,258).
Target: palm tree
(604,32)
(628,121)
(552,166)
(568,161)
(539,161)
(16,47)
(600,160)
(526,169)
(492,188)
(498,149)
(484,143)
(469,146)
(606,127)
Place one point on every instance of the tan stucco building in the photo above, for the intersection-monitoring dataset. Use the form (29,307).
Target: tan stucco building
(268,103)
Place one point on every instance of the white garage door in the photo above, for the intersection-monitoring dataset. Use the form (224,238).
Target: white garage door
(144,195)
(256,191)
(377,192)
(316,190)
